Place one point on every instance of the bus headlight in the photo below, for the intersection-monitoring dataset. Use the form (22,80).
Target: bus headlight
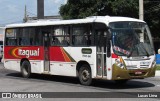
(119,63)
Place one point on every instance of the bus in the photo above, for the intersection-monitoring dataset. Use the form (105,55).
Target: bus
(96,47)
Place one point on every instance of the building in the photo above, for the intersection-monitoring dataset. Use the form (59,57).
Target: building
(32,19)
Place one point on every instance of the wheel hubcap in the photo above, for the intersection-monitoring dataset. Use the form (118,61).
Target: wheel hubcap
(85,75)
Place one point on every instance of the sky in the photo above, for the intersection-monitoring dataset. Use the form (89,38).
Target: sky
(12,11)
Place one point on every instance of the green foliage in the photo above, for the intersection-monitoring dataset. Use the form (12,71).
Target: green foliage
(158,67)
(75,9)
(152,16)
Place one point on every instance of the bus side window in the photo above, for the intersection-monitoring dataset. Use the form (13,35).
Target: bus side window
(60,36)
(81,35)
(55,41)
(33,42)
(11,42)
(11,37)
(80,40)
(65,43)
(25,41)
(7,41)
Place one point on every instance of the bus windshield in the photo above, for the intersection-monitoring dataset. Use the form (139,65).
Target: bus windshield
(131,39)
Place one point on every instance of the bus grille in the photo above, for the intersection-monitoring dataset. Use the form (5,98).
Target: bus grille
(132,67)
(136,67)
(144,66)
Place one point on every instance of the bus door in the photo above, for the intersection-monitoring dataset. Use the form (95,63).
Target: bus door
(101,53)
(46,44)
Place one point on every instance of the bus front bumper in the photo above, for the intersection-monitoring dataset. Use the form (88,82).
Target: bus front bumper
(119,74)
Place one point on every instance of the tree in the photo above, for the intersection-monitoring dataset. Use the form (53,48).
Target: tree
(152,16)
(75,9)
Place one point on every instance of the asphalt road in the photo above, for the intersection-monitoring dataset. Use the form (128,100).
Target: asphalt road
(11,81)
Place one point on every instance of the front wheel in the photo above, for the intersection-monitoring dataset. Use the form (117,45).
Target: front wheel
(26,69)
(85,76)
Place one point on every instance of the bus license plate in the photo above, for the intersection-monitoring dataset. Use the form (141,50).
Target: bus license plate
(138,72)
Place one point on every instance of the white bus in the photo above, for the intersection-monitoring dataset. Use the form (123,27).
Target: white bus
(98,47)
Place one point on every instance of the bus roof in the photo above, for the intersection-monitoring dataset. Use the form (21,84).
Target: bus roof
(100,19)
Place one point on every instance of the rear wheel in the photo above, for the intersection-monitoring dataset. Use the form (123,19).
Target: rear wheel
(85,76)
(26,69)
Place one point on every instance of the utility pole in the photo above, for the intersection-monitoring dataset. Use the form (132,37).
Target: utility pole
(40,9)
(141,14)
(25,19)
(141,17)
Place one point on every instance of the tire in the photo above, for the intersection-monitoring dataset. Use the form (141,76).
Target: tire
(26,69)
(85,76)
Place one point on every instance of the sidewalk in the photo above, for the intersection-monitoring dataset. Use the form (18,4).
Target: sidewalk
(157,73)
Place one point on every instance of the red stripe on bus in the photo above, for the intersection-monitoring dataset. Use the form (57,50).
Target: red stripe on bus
(114,55)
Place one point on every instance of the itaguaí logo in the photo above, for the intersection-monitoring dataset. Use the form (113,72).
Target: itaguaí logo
(24,51)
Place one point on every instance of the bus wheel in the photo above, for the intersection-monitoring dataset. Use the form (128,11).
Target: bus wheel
(26,69)
(85,77)
(121,82)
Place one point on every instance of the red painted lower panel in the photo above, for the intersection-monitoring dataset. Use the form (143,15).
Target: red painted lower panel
(37,53)
(30,52)
(56,54)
